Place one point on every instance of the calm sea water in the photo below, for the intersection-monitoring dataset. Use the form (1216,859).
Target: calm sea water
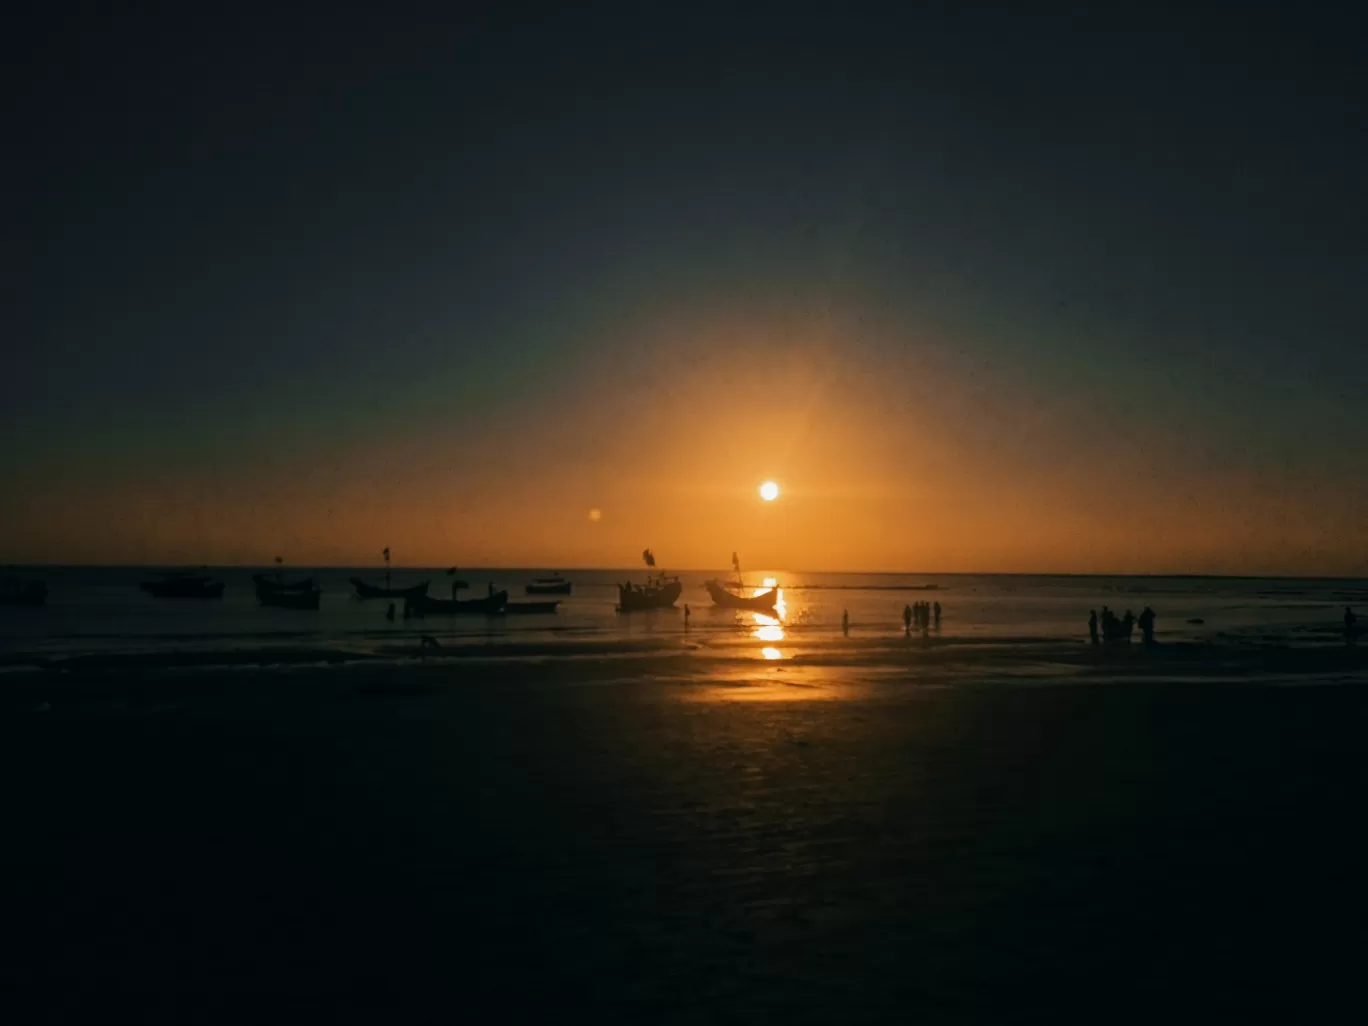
(100,609)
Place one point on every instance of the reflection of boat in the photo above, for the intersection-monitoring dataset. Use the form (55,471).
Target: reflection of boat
(289,597)
(553,585)
(490,605)
(727,599)
(531,607)
(660,592)
(370,591)
(279,583)
(184,586)
(30,593)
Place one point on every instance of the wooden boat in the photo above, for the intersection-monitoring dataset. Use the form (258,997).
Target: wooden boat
(728,599)
(659,592)
(288,598)
(489,605)
(370,591)
(30,593)
(531,607)
(280,584)
(553,585)
(184,586)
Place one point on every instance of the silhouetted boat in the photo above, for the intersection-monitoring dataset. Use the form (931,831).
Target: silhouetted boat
(553,585)
(659,592)
(29,593)
(287,598)
(727,599)
(489,605)
(280,584)
(531,607)
(184,586)
(370,591)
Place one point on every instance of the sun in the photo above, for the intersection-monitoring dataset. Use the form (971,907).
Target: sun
(769,491)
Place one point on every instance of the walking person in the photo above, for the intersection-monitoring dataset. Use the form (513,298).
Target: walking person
(686,618)
(845,623)
(1092,625)
(907,619)
(938,614)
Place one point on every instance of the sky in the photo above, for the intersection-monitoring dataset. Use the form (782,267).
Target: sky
(982,290)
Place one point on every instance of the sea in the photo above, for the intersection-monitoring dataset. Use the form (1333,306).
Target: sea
(100,612)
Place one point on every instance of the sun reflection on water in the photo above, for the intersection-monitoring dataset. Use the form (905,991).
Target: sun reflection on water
(771,628)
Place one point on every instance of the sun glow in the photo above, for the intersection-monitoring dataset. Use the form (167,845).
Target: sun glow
(769,491)
(770,628)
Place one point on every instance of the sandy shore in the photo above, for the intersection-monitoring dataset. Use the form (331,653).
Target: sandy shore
(669,839)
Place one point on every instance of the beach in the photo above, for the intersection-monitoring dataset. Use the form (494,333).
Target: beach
(951,832)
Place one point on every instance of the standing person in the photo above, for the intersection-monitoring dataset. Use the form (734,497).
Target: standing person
(1128,624)
(845,622)
(938,612)
(1092,625)
(907,619)
(686,618)
(389,613)
(1349,620)
(1147,625)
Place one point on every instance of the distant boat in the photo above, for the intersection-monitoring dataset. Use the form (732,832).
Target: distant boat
(531,607)
(489,605)
(727,599)
(660,592)
(288,598)
(184,586)
(553,585)
(280,584)
(29,593)
(370,591)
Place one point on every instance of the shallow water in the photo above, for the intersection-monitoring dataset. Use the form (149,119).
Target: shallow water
(95,611)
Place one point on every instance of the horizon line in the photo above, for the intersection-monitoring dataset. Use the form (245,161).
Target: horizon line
(686,569)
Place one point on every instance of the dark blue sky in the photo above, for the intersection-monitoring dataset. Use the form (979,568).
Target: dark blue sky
(248,242)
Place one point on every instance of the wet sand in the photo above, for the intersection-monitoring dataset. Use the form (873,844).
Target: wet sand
(669,839)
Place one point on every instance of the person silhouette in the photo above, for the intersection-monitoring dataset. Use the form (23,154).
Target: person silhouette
(907,619)
(1092,625)
(1146,622)
(1349,620)
(1128,624)
(389,613)
(686,618)
(845,622)
(938,614)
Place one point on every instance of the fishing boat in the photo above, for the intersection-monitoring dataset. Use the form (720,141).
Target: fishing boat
(553,585)
(659,592)
(725,598)
(280,584)
(513,608)
(491,605)
(288,598)
(371,591)
(29,593)
(184,586)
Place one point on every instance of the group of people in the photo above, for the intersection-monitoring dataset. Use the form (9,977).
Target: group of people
(923,614)
(1120,628)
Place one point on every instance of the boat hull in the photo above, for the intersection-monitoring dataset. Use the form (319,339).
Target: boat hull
(662,596)
(370,591)
(726,599)
(559,588)
(289,598)
(490,605)
(267,581)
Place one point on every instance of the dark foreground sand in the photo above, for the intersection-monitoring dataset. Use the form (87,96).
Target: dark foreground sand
(631,842)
